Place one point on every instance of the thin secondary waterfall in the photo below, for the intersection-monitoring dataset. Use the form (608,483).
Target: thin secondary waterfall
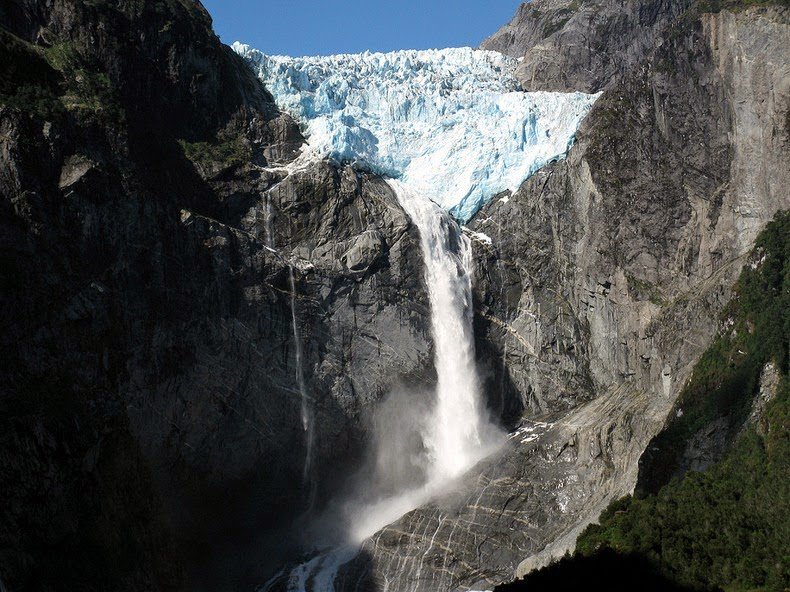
(306,409)
(451,128)
(268,225)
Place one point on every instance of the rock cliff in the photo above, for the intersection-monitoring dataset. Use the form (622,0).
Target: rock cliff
(169,274)
(584,45)
(605,279)
(156,255)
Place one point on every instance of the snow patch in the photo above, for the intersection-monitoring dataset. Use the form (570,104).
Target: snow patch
(478,236)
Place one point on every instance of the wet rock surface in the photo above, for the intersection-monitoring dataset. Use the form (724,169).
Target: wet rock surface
(530,493)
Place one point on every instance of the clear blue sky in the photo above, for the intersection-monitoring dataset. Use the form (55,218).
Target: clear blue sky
(314,27)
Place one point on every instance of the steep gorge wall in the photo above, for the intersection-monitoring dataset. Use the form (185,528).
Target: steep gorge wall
(150,409)
(673,175)
(153,365)
(649,220)
(603,285)
(583,45)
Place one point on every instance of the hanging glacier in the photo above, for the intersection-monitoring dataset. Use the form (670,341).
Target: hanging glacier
(450,124)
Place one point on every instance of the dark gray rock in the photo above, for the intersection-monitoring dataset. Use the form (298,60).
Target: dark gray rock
(583,45)
(149,403)
(153,261)
(706,447)
(601,288)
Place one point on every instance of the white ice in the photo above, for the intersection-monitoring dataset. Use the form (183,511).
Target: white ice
(450,124)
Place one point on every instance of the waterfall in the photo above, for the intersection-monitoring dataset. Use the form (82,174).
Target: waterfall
(306,411)
(457,433)
(308,484)
(455,129)
(268,225)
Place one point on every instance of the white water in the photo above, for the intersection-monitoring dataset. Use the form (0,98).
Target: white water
(308,486)
(458,433)
(306,411)
(448,127)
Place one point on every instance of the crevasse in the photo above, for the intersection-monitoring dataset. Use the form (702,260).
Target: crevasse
(450,124)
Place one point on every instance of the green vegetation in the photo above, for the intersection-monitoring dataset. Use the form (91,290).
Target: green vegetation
(85,89)
(559,18)
(756,325)
(725,528)
(728,526)
(645,290)
(62,57)
(174,7)
(168,8)
(27,81)
(179,13)
(48,82)
(615,572)
(92,93)
(562,16)
(34,99)
(227,150)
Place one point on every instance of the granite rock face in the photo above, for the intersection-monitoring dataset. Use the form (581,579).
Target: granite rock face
(166,266)
(156,255)
(168,67)
(602,286)
(583,45)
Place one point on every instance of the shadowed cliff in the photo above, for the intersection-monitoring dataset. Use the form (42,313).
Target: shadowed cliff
(156,250)
(149,406)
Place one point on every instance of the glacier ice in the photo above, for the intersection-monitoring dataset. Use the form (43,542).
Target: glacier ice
(450,124)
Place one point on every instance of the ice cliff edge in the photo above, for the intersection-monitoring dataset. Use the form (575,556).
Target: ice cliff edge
(452,123)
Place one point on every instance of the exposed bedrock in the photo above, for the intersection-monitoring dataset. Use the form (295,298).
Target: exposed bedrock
(151,431)
(583,45)
(152,220)
(231,419)
(602,286)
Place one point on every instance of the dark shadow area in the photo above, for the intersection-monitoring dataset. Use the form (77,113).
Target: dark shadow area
(354,576)
(501,397)
(357,575)
(606,570)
